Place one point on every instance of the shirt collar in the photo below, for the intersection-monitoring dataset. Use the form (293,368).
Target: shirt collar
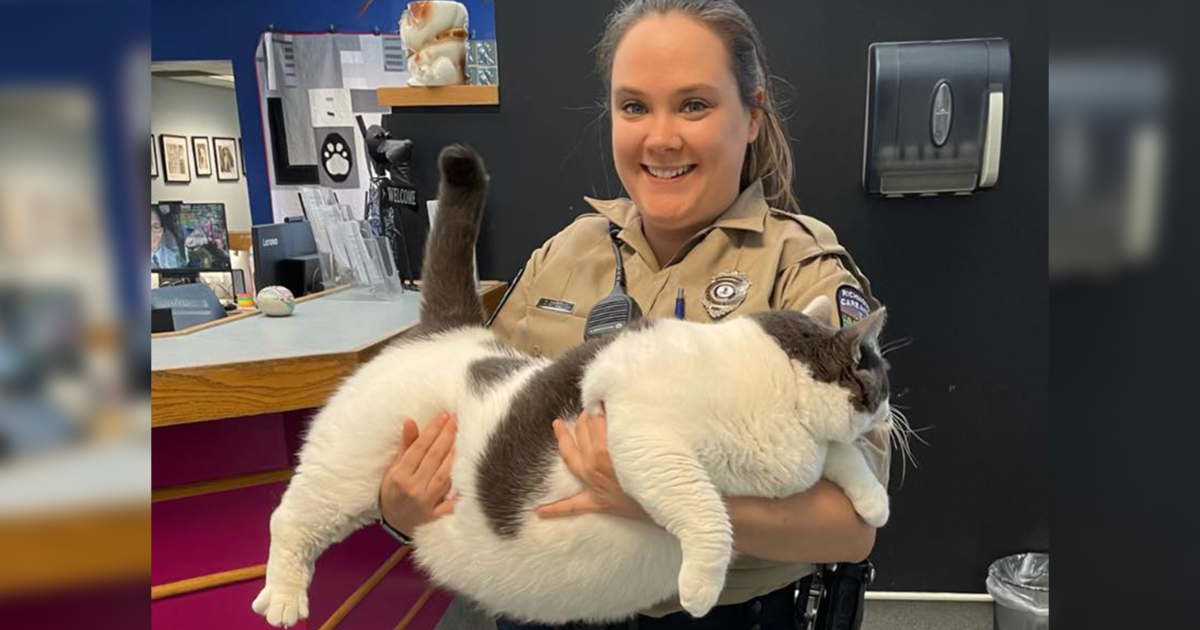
(748,212)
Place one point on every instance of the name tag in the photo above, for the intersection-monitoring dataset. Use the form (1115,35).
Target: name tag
(561,306)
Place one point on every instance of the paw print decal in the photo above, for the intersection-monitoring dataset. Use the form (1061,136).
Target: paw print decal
(335,157)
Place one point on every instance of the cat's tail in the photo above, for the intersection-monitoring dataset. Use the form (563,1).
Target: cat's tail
(449,297)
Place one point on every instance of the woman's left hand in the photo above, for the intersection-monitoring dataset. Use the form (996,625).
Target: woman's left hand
(586,455)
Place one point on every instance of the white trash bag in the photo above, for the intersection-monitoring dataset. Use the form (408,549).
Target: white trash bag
(1020,585)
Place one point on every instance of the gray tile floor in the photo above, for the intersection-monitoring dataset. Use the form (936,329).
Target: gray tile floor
(891,615)
(880,615)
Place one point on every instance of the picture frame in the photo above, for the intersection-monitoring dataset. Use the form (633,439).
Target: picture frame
(225,157)
(153,158)
(202,156)
(176,165)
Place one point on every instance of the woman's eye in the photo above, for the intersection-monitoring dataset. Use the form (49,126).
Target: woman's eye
(633,109)
(694,107)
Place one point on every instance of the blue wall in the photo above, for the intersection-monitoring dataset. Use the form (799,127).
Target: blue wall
(186,30)
(90,45)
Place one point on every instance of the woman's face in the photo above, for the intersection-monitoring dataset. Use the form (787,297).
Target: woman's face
(679,127)
(156,232)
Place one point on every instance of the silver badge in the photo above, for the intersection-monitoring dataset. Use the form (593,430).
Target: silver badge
(726,291)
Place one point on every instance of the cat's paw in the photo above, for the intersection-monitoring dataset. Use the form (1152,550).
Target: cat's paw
(699,589)
(872,506)
(282,606)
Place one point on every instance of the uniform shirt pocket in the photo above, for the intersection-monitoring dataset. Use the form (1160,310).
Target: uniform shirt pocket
(549,333)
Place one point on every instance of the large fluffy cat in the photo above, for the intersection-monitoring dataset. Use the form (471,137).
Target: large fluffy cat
(763,405)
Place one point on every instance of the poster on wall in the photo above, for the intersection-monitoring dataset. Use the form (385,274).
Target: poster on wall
(227,159)
(312,86)
(153,158)
(175,159)
(202,157)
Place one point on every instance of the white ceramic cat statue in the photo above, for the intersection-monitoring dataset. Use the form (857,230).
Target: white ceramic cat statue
(762,405)
(435,34)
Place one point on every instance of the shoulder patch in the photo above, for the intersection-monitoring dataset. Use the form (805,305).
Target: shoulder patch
(851,305)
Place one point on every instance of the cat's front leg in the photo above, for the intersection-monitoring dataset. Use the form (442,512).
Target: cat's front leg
(306,523)
(665,477)
(846,466)
(284,598)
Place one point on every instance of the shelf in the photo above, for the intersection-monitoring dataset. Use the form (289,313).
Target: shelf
(438,96)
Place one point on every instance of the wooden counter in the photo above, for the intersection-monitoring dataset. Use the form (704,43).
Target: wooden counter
(257,364)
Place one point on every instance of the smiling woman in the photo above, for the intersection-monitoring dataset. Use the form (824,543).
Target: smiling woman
(711,224)
(679,138)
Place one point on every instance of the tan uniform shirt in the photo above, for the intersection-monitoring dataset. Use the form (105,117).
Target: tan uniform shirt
(787,259)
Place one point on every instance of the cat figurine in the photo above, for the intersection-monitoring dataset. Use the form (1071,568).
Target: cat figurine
(763,405)
(435,36)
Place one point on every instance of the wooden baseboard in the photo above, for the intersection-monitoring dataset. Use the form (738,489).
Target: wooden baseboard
(203,582)
(220,485)
(365,589)
(416,608)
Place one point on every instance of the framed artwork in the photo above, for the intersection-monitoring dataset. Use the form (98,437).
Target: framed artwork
(202,156)
(153,158)
(175,159)
(225,152)
(242,155)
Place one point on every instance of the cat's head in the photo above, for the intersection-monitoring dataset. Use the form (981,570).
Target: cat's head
(847,360)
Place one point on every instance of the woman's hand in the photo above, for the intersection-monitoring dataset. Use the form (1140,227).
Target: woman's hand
(586,455)
(414,488)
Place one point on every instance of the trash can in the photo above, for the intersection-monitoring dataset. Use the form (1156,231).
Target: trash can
(1020,586)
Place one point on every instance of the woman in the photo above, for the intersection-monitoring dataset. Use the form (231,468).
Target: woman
(164,248)
(702,153)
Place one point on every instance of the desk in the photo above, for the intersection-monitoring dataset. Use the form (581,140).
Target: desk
(259,364)
(229,401)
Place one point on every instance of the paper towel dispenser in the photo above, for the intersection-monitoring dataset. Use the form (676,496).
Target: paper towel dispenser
(935,116)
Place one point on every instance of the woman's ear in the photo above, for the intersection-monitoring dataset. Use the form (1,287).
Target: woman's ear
(756,115)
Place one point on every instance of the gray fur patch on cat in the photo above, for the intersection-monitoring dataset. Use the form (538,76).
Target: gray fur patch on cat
(516,466)
(830,355)
(485,373)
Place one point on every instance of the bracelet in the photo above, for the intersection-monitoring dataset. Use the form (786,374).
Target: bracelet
(400,536)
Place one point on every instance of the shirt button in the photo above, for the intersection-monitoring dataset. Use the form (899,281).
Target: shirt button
(756,607)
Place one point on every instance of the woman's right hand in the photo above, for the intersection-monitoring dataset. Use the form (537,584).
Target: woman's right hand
(415,487)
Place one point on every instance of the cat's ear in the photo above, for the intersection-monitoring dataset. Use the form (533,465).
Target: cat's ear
(820,309)
(865,331)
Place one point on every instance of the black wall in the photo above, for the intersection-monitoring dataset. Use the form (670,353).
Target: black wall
(965,277)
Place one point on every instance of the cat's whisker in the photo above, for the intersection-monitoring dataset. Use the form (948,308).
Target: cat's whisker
(908,426)
(899,434)
(894,345)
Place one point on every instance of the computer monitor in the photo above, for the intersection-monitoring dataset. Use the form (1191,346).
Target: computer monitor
(188,238)
(277,242)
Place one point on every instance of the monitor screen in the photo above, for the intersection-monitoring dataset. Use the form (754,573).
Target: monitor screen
(188,237)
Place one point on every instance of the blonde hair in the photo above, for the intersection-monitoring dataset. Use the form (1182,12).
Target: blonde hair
(769,157)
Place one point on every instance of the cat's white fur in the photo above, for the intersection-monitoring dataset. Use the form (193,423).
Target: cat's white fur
(694,412)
